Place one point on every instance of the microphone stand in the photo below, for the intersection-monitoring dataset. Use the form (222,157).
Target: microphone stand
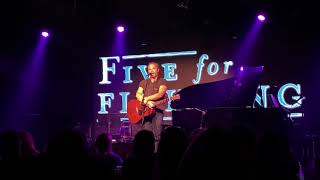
(143,106)
(203,113)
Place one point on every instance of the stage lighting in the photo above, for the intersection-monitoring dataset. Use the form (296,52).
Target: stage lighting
(261,17)
(120,29)
(45,34)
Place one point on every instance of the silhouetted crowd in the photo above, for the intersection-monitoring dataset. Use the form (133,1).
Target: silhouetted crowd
(236,153)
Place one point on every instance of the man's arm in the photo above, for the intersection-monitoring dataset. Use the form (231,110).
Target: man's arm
(160,94)
(139,94)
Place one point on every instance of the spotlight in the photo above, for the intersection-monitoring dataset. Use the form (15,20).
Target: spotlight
(45,34)
(120,29)
(261,17)
(241,68)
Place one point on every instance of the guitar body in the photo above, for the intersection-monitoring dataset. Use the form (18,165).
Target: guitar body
(134,111)
(135,108)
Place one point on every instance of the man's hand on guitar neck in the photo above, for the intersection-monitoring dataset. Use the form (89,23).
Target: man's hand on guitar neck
(151,104)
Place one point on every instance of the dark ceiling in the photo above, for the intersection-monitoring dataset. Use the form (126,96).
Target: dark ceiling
(148,18)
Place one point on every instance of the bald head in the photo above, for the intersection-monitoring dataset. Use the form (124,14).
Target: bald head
(153,69)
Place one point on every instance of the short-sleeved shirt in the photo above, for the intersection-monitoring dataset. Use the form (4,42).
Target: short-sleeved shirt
(150,88)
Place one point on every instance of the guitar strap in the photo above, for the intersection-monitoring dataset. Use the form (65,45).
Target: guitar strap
(143,106)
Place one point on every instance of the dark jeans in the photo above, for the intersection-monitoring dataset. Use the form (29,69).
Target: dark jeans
(153,124)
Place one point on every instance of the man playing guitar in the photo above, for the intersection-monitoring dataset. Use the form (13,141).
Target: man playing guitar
(151,91)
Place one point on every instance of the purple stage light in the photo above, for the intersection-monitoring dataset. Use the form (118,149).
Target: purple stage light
(120,28)
(241,68)
(261,17)
(45,34)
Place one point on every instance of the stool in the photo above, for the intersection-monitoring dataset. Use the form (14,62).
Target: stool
(125,130)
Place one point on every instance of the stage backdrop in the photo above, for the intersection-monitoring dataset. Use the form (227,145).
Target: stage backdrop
(118,78)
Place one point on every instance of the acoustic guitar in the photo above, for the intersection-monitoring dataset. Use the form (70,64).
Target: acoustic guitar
(135,108)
